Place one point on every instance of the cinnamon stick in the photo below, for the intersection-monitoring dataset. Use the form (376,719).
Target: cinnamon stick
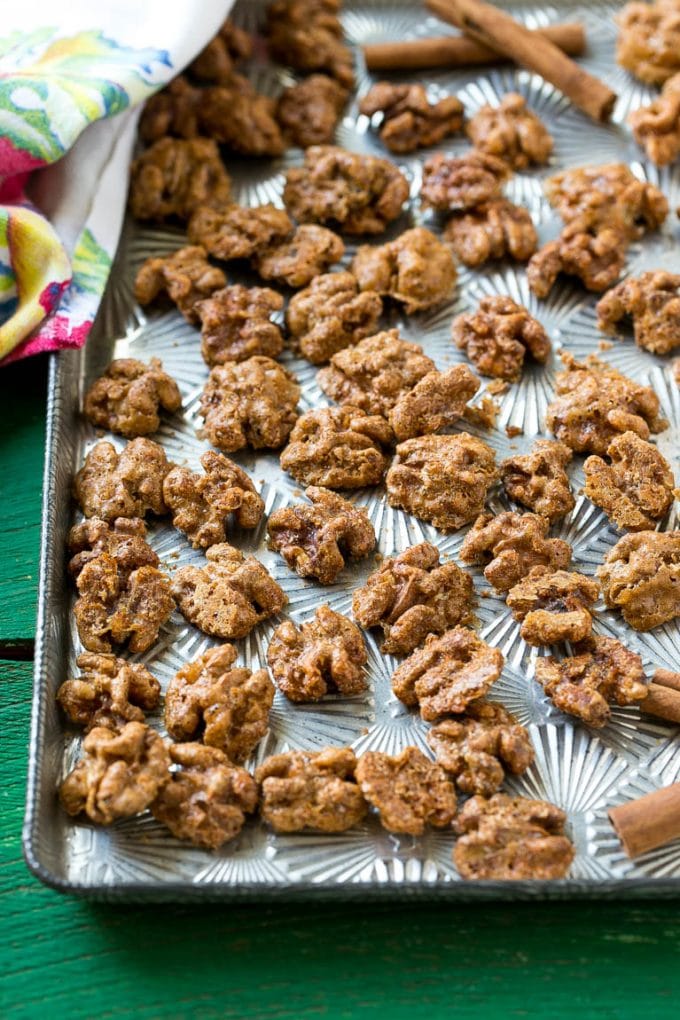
(494,28)
(459,51)
(648,822)
(663,696)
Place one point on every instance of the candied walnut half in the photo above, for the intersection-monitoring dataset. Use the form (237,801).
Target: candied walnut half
(453,183)
(229,595)
(511,838)
(308,111)
(331,314)
(226,706)
(124,539)
(231,231)
(311,790)
(119,775)
(595,257)
(512,132)
(408,790)
(594,403)
(652,300)
(447,673)
(497,337)
(607,195)
(325,655)
(129,484)
(359,194)
(641,577)
(297,260)
(249,403)
(307,35)
(637,488)
(240,117)
(437,400)
(492,230)
(511,545)
(109,692)
(338,447)
(127,397)
(553,606)
(656,127)
(186,277)
(235,324)
(416,269)
(216,61)
(538,480)
(206,800)
(410,121)
(172,111)
(476,748)
(314,540)
(442,479)
(649,40)
(200,504)
(601,672)
(175,176)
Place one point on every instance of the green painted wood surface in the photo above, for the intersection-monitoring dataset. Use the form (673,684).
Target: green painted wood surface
(61,957)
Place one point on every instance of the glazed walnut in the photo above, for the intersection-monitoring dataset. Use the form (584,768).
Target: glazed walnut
(538,480)
(476,748)
(511,838)
(172,111)
(308,111)
(595,257)
(201,504)
(325,655)
(636,489)
(186,277)
(649,40)
(497,337)
(315,539)
(249,403)
(127,397)
(452,183)
(231,231)
(553,606)
(175,176)
(215,63)
(442,479)
(311,790)
(235,324)
(607,195)
(652,301)
(512,132)
(123,539)
(416,269)
(241,118)
(410,121)
(601,672)
(297,260)
(436,401)
(129,484)
(225,705)
(109,692)
(307,35)
(493,230)
(229,595)
(413,595)
(357,194)
(447,673)
(594,403)
(207,798)
(330,315)
(408,790)
(119,775)
(511,545)
(640,576)
(656,127)
(338,447)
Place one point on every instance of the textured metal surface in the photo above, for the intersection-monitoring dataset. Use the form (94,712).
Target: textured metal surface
(582,771)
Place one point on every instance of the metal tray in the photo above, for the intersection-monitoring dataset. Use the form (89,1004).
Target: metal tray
(582,771)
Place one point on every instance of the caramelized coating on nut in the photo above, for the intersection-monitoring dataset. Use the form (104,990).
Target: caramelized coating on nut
(175,110)
(109,692)
(240,117)
(437,400)
(538,480)
(207,798)
(201,504)
(307,35)
(249,403)
(607,195)
(595,257)
(129,484)
(416,269)
(297,260)
(174,176)
(330,315)
(226,706)
(442,479)
(315,540)
(601,672)
(636,489)
(493,230)
(656,127)
(186,277)
(325,655)
(452,183)
(338,447)
(410,121)
(511,838)
(409,791)
(641,577)
(358,194)
(649,40)
(512,132)
(553,606)
(497,337)
(447,673)
(511,545)
(476,748)
(127,397)
(308,111)
(231,231)
(311,790)
(123,539)
(229,595)
(215,63)
(412,595)
(235,324)
(119,775)
(652,301)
